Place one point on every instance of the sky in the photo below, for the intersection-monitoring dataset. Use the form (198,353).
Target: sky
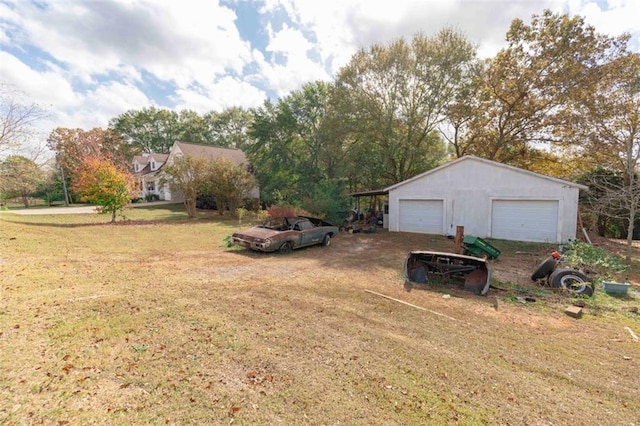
(88,61)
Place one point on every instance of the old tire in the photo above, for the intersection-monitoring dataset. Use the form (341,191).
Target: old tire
(544,269)
(286,247)
(571,280)
(326,241)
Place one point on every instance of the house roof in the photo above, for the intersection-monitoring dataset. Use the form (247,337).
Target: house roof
(145,159)
(236,156)
(467,158)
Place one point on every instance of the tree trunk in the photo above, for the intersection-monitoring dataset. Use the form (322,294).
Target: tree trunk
(632,215)
(602,225)
(191,208)
(113,216)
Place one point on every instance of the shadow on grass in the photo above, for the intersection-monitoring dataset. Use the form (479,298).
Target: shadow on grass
(168,219)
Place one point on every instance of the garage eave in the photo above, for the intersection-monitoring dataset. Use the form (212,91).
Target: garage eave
(493,163)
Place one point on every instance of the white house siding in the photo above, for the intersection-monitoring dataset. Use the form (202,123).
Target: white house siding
(468,188)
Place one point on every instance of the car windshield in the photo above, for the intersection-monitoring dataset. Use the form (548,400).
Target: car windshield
(275,222)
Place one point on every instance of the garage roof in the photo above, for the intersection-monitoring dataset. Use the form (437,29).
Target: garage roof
(371,193)
(493,163)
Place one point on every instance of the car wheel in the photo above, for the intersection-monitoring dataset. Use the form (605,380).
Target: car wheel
(286,247)
(544,269)
(571,280)
(327,240)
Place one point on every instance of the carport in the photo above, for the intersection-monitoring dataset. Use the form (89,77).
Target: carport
(377,202)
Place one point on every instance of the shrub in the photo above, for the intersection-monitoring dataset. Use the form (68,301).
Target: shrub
(578,254)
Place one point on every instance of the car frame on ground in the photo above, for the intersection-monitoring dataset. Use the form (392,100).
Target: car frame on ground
(424,269)
(283,234)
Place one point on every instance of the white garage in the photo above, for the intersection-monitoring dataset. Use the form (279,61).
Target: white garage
(490,199)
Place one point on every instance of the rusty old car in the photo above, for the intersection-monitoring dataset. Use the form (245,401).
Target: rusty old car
(283,234)
(423,269)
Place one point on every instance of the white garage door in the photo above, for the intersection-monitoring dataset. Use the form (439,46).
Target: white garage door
(424,216)
(530,220)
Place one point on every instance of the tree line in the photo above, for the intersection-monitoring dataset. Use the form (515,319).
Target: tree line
(560,99)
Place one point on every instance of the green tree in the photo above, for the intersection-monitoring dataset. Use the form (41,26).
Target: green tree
(296,146)
(392,98)
(51,188)
(188,176)
(272,154)
(100,182)
(19,177)
(192,128)
(229,184)
(150,129)
(229,128)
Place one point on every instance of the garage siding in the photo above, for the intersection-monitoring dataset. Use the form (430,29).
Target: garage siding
(423,216)
(525,220)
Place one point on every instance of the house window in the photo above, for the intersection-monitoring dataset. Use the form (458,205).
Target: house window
(136,167)
(151,186)
(153,165)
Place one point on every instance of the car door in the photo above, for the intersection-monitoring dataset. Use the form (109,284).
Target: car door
(309,234)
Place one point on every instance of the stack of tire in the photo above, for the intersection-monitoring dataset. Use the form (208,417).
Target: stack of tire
(569,279)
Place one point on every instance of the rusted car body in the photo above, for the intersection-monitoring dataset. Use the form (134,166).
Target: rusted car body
(424,269)
(284,234)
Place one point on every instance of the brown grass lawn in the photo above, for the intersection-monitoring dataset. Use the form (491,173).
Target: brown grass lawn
(155,321)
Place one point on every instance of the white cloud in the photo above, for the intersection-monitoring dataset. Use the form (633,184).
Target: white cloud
(181,41)
(224,93)
(90,61)
(51,89)
(107,101)
(620,16)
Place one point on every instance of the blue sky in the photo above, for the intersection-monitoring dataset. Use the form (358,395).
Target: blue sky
(88,61)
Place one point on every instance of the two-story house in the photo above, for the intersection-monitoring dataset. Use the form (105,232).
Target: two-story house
(146,171)
(147,168)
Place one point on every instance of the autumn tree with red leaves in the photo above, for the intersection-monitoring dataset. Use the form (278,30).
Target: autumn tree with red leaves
(100,182)
(72,146)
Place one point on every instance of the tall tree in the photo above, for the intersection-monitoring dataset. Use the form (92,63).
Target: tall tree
(73,146)
(296,146)
(193,128)
(229,128)
(101,182)
(393,97)
(19,177)
(17,117)
(150,129)
(607,122)
(529,84)
(272,154)
(460,113)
